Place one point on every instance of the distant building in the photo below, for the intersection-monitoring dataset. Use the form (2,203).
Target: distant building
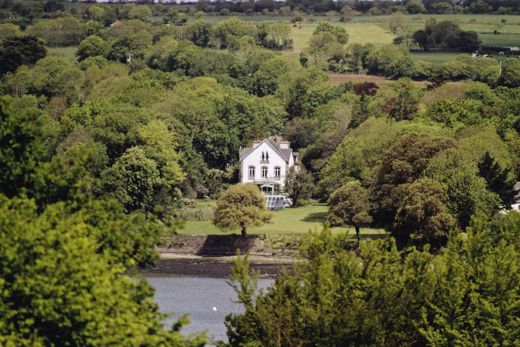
(266,163)
(516,206)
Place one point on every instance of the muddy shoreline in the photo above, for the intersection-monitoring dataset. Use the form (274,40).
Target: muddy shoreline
(213,267)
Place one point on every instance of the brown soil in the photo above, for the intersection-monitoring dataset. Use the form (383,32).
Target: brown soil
(211,267)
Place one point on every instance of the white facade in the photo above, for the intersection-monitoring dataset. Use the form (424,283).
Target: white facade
(267,162)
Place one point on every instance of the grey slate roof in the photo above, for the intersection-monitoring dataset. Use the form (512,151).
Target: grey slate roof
(284,153)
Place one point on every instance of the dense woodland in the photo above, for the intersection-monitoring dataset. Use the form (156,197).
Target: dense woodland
(98,153)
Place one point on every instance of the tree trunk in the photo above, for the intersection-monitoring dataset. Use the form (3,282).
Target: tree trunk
(243,230)
(357,232)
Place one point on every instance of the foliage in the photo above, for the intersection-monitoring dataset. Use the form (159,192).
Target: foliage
(16,51)
(401,165)
(299,186)
(58,289)
(350,205)
(382,297)
(242,205)
(422,217)
(498,180)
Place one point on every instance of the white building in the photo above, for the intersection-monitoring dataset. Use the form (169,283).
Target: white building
(267,163)
(516,206)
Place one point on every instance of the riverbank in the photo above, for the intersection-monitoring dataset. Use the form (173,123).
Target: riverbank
(213,255)
(214,267)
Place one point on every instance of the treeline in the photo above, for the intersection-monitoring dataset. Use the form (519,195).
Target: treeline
(25,12)
(466,295)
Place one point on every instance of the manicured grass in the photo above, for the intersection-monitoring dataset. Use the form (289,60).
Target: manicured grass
(435,57)
(298,220)
(69,52)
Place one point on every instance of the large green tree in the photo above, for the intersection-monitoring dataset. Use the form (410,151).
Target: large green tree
(241,206)
(422,216)
(16,51)
(350,205)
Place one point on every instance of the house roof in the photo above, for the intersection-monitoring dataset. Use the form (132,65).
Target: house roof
(284,153)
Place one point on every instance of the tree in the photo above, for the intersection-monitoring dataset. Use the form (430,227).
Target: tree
(405,105)
(379,296)
(338,31)
(401,165)
(422,216)
(9,30)
(199,32)
(469,41)
(299,185)
(90,47)
(499,180)
(396,23)
(16,51)
(242,205)
(415,6)
(133,179)
(422,39)
(350,205)
(510,76)
(59,289)
(141,12)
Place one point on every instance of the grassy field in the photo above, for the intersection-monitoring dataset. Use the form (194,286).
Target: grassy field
(358,33)
(434,57)
(69,52)
(284,222)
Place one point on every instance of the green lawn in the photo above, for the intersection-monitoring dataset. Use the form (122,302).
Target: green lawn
(69,52)
(284,222)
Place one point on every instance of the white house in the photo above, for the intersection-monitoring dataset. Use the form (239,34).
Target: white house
(516,206)
(267,163)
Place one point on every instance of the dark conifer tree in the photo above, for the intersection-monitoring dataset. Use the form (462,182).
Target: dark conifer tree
(499,180)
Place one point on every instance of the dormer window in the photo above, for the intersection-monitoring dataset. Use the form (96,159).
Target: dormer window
(265,158)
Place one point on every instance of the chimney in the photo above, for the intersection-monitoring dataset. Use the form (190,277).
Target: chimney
(256,143)
(284,144)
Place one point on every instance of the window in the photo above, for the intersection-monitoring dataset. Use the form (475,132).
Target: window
(264,171)
(265,158)
(252,172)
(277,172)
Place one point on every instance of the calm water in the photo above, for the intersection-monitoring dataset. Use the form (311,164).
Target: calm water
(196,297)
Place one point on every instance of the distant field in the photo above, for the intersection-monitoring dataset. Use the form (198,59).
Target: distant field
(69,52)
(374,29)
(358,33)
(288,221)
(505,40)
(435,57)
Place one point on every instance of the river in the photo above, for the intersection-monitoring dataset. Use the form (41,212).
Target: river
(206,300)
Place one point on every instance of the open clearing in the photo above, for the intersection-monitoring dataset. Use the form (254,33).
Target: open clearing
(69,52)
(289,221)
(358,33)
